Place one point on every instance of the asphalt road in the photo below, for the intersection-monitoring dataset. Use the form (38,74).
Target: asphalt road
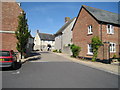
(53,71)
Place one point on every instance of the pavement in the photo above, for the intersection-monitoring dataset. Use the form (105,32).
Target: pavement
(57,71)
(111,68)
(34,55)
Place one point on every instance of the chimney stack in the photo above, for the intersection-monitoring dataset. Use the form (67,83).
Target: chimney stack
(19,3)
(37,31)
(67,19)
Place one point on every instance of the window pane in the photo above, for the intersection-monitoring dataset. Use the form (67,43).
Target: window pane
(4,53)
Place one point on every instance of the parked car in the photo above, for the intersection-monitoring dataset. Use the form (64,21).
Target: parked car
(8,58)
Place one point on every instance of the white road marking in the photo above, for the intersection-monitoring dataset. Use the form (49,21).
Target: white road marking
(16,72)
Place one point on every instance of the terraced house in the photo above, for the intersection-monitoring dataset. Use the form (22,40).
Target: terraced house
(96,22)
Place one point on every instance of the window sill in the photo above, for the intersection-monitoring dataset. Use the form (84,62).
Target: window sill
(90,54)
(113,52)
(110,33)
(89,33)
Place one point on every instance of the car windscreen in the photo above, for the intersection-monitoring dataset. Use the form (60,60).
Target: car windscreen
(4,53)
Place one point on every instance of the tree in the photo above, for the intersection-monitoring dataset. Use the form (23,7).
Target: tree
(22,34)
(75,50)
(96,43)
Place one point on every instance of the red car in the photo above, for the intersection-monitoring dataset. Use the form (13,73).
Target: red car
(7,58)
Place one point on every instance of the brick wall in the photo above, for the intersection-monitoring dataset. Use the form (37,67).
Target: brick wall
(82,38)
(10,13)
(111,38)
(80,31)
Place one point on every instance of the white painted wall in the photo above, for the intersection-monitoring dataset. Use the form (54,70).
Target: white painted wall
(44,45)
(37,42)
(40,44)
(65,39)
(58,43)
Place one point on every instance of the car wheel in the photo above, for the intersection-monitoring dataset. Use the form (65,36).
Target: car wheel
(13,65)
(20,63)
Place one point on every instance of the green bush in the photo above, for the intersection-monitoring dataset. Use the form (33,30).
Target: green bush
(114,56)
(75,50)
(60,51)
(118,59)
(55,50)
(96,43)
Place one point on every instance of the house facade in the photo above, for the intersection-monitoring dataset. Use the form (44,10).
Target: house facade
(63,37)
(92,22)
(44,42)
(30,45)
(9,24)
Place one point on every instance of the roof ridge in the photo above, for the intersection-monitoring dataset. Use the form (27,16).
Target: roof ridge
(60,30)
(99,9)
(46,33)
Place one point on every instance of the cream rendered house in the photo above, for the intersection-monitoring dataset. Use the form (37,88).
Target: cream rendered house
(63,37)
(44,42)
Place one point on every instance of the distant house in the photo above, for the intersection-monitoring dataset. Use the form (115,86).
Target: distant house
(63,36)
(96,22)
(44,42)
(30,45)
(9,22)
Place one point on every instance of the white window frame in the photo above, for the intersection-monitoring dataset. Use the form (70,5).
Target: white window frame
(112,47)
(89,47)
(90,29)
(110,29)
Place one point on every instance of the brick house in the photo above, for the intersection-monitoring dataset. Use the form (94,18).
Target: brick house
(10,12)
(95,22)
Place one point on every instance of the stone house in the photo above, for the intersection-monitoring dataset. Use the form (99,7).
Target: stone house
(44,42)
(96,22)
(63,36)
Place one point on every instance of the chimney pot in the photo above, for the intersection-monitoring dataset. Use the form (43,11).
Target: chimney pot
(67,19)
(37,31)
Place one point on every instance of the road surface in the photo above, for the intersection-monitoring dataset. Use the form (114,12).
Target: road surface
(53,71)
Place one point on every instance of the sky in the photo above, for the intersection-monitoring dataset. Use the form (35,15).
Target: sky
(48,17)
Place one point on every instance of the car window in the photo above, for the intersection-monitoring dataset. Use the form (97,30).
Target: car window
(12,52)
(4,53)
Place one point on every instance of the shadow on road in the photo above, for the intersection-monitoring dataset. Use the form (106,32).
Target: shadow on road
(43,52)
(34,54)
(34,59)
(18,66)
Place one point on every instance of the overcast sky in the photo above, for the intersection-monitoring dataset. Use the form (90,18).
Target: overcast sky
(48,17)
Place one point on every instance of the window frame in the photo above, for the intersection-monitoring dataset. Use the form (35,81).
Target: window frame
(112,47)
(110,29)
(89,46)
(90,31)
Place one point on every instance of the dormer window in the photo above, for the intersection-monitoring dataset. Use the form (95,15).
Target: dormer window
(110,29)
(90,29)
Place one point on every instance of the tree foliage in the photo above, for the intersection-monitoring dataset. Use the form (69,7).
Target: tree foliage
(75,50)
(22,33)
(96,43)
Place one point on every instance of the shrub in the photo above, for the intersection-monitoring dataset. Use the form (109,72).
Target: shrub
(60,51)
(55,50)
(96,43)
(114,56)
(75,50)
